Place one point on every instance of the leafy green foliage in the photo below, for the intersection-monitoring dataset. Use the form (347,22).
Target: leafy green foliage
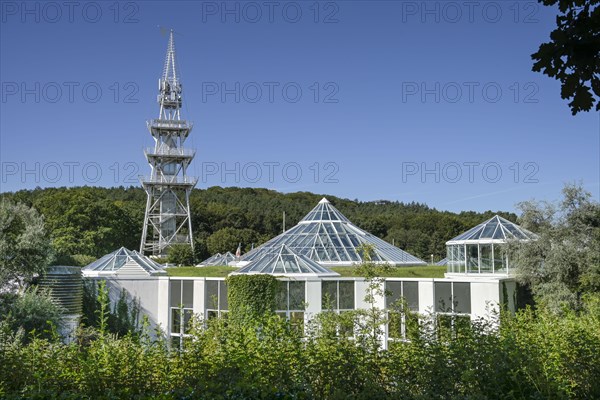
(33,312)
(250,297)
(93,221)
(122,320)
(573,54)
(228,239)
(564,264)
(532,355)
(24,246)
(181,254)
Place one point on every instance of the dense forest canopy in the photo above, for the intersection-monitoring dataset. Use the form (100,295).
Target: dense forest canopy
(88,222)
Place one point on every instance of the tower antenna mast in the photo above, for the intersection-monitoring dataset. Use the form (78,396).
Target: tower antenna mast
(167,218)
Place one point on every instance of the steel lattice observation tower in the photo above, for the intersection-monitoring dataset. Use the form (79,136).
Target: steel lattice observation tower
(167,220)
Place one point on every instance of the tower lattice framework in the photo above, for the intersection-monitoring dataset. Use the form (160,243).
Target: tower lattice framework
(167,219)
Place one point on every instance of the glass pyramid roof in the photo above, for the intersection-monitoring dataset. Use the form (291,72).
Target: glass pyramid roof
(114,261)
(495,229)
(326,236)
(218,259)
(281,260)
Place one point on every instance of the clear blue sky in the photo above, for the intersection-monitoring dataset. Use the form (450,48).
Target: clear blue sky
(403,87)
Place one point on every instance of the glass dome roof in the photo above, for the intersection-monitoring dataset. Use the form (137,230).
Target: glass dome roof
(495,229)
(281,260)
(218,259)
(114,261)
(326,236)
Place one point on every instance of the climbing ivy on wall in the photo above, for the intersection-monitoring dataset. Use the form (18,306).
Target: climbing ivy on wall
(251,296)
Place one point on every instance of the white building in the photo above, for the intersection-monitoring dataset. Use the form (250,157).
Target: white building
(308,286)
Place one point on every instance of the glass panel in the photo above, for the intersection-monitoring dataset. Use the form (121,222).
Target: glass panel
(187,320)
(176,343)
(223,296)
(175,320)
(212,314)
(393,293)
(346,295)
(489,229)
(297,321)
(453,262)
(499,259)
(461,323)
(462,297)
(461,256)
(281,297)
(175,293)
(329,295)
(212,295)
(188,294)
(443,296)
(486,257)
(297,295)
(411,294)
(472,258)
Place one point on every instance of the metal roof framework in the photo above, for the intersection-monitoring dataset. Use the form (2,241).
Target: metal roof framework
(113,262)
(326,236)
(281,260)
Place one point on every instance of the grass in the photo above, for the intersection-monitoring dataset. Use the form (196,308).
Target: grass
(429,271)
(221,271)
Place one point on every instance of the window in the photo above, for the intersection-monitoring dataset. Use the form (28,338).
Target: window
(485,251)
(402,323)
(215,298)
(452,297)
(453,305)
(181,300)
(408,290)
(500,262)
(337,295)
(290,302)
(472,258)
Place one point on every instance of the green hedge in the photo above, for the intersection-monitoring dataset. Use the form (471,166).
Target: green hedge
(533,355)
(251,296)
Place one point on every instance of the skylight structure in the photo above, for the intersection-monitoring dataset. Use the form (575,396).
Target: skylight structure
(480,249)
(218,259)
(123,262)
(281,260)
(326,236)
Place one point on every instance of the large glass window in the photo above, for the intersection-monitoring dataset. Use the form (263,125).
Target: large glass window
(452,297)
(408,290)
(485,252)
(461,293)
(181,300)
(291,302)
(443,297)
(337,295)
(472,258)
(500,261)
(401,324)
(460,251)
(215,298)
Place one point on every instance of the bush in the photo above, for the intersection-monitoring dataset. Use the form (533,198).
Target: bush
(534,354)
(181,254)
(33,312)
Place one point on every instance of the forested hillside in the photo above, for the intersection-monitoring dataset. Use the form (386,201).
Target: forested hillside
(88,222)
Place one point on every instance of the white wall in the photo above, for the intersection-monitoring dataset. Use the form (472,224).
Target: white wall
(153,294)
